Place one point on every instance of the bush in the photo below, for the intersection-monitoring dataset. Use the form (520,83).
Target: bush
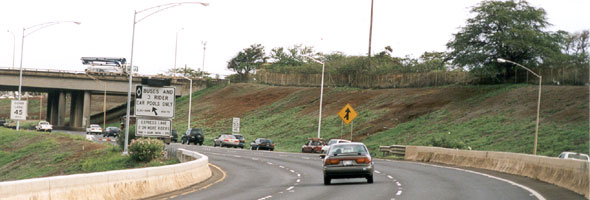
(146,149)
(446,143)
(121,139)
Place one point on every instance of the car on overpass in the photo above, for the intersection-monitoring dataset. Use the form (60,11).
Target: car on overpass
(574,156)
(94,129)
(262,144)
(347,160)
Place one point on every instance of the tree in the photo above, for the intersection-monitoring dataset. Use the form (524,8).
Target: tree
(247,60)
(293,56)
(513,30)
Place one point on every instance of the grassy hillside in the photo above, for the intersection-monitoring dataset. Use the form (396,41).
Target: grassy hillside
(494,117)
(28,154)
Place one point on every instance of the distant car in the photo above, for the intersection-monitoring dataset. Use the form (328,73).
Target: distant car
(94,129)
(44,126)
(194,135)
(331,142)
(574,155)
(174,134)
(111,131)
(241,139)
(2,121)
(262,144)
(347,160)
(227,141)
(313,145)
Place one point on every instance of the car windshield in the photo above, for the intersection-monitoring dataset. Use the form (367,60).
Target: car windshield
(316,143)
(196,130)
(354,149)
(239,136)
(331,142)
(228,136)
(94,126)
(578,156)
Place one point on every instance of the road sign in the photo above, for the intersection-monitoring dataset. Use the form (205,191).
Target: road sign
(18,110)
(236,125)
(154,101)
(347,114)
(153,127)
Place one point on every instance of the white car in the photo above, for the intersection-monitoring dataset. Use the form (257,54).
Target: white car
(331,142)
(574,155)
(44,126)
(226,141)
(94,129)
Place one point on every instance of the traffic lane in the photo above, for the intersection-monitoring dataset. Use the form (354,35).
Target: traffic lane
(310,184)
(421,181)
(95,138)
(246,178)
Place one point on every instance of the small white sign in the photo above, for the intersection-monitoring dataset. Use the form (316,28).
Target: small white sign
(154,101)
(18,110)
(236,125)
(153,127)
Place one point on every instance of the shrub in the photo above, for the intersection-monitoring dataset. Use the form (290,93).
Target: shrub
(446,143)
(146,149)
(121,138)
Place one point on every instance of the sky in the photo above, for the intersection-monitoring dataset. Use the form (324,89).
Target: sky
(410,27)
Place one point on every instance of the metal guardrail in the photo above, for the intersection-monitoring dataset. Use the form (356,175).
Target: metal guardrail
(397,150)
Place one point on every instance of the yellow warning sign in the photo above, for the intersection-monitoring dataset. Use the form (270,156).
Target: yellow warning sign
(347,114)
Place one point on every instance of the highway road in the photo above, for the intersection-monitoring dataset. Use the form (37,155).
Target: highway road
(262,175)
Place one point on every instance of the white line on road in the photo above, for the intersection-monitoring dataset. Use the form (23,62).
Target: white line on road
(378,172)
(398,184)
(266,197)
(399,192)
(390,177)
(282,166)
(298,175)
(298,180)
(537,195)
(290,188)
(269,163)
(292,171)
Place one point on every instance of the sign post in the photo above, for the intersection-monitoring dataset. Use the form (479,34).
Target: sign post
(347,114)
(236,125)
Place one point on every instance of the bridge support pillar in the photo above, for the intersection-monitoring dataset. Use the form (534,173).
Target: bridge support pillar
(52,105)
(86,109)
(76,110)
(61,109)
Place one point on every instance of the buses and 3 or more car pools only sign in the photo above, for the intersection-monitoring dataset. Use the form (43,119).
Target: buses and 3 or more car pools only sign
(154,101)
(153,127)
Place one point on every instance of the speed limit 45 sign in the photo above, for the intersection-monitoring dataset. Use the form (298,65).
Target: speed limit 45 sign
(18,110)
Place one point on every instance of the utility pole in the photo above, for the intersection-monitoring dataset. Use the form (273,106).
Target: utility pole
(371,29)
(204,47)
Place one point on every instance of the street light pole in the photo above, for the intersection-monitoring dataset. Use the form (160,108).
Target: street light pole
(321,93)
(175,50)
(13,46)
(155,10)
(190,100)
(501,60)
(204,47)
(22,47)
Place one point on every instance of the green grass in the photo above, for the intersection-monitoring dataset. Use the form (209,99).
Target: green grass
(29,154)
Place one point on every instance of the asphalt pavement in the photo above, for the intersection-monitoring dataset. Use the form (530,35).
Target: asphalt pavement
(265,175)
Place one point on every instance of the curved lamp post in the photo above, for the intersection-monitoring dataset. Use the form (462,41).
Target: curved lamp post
(32,29)
(13,46)
(321,93)
(175,50)
(149,12)
(501,60)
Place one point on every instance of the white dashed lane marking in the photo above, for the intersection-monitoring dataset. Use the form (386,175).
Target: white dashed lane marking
(399,192)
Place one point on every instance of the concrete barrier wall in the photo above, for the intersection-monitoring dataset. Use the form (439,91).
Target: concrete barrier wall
(120,184)
(569,174)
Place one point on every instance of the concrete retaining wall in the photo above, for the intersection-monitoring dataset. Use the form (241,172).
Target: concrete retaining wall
(120,184)
(569,174)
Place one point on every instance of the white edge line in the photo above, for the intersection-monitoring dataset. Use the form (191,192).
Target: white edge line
(535,193)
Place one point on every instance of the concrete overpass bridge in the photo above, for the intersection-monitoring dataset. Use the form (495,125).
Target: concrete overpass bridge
(80,86)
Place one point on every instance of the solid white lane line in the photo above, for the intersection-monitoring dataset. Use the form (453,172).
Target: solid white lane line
(399,192)
(537,195)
